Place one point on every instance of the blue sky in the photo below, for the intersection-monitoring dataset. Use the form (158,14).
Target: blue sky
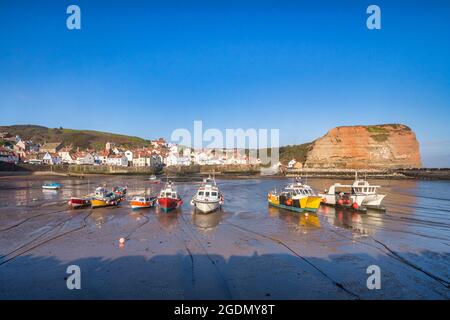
(146,68)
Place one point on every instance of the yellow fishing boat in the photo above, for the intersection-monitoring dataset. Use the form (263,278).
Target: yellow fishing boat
(295,197)
(98,203)
(104,198)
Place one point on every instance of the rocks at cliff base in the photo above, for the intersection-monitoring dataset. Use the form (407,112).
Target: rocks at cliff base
(378,146)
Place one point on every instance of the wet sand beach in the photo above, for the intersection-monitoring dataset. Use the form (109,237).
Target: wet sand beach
(245,251)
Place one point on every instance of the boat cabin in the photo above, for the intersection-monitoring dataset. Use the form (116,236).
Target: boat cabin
(300,189)
(363,187)
(141,199)
(206,193)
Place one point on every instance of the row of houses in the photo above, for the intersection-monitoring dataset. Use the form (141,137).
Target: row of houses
(19,150)
(157,154)
(88,157)
(181,156)
(8,155)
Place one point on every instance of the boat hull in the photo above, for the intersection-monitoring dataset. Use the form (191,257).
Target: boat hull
(78,202)
(142,205)
(309,203)
(292,208)
(98,203)
(168,204)
(50,188)
(373,200)
(206,206)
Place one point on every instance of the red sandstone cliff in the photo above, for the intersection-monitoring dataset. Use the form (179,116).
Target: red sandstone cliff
(378,146)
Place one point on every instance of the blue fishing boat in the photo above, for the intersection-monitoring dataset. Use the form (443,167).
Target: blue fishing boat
(51,186)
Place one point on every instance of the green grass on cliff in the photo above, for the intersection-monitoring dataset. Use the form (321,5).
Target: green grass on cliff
(376,129)
(380,137)
(79,138)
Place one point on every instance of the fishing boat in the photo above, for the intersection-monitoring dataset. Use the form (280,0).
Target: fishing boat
(168,198)
(153,179)
(140,202)
(208,197)
(51,186)
(104,198)
(358,196)
(79,202)
(120,191)
(296,196)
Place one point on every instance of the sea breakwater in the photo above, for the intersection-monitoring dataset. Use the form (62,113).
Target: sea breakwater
(80,170)
(413,173)
(231,171)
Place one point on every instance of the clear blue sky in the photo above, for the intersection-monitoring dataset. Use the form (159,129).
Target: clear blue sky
(146,68)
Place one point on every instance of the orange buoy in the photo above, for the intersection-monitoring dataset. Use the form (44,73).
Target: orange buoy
(355,205)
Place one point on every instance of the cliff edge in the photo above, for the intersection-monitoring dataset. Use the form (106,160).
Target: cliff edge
(378,146)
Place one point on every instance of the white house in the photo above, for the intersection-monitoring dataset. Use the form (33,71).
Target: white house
(129,155)
(51,158)
(66,157)
(117,160)
(102,156)
(200,158)
(173,160)
(174,149)
(117,151)
(140,159)
(187,152)
(291,163)
(82,157)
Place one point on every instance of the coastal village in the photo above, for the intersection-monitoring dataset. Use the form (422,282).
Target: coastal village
(375,147)
(158,154)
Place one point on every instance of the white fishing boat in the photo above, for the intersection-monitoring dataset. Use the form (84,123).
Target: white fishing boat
(359,196)
(153,179)
(208,197)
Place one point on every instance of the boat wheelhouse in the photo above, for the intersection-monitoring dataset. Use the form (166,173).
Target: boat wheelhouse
(208,197)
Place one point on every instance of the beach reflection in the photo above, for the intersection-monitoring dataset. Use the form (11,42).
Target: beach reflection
(168,220)
(307,220)
(362,223)
(207,222)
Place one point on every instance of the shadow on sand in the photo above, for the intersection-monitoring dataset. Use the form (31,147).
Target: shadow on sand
(181,276)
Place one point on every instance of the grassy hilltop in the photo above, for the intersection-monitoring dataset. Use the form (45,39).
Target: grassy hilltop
(79,138)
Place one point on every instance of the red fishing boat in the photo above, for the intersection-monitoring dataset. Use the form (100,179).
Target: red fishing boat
(75,202)
(168,198)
